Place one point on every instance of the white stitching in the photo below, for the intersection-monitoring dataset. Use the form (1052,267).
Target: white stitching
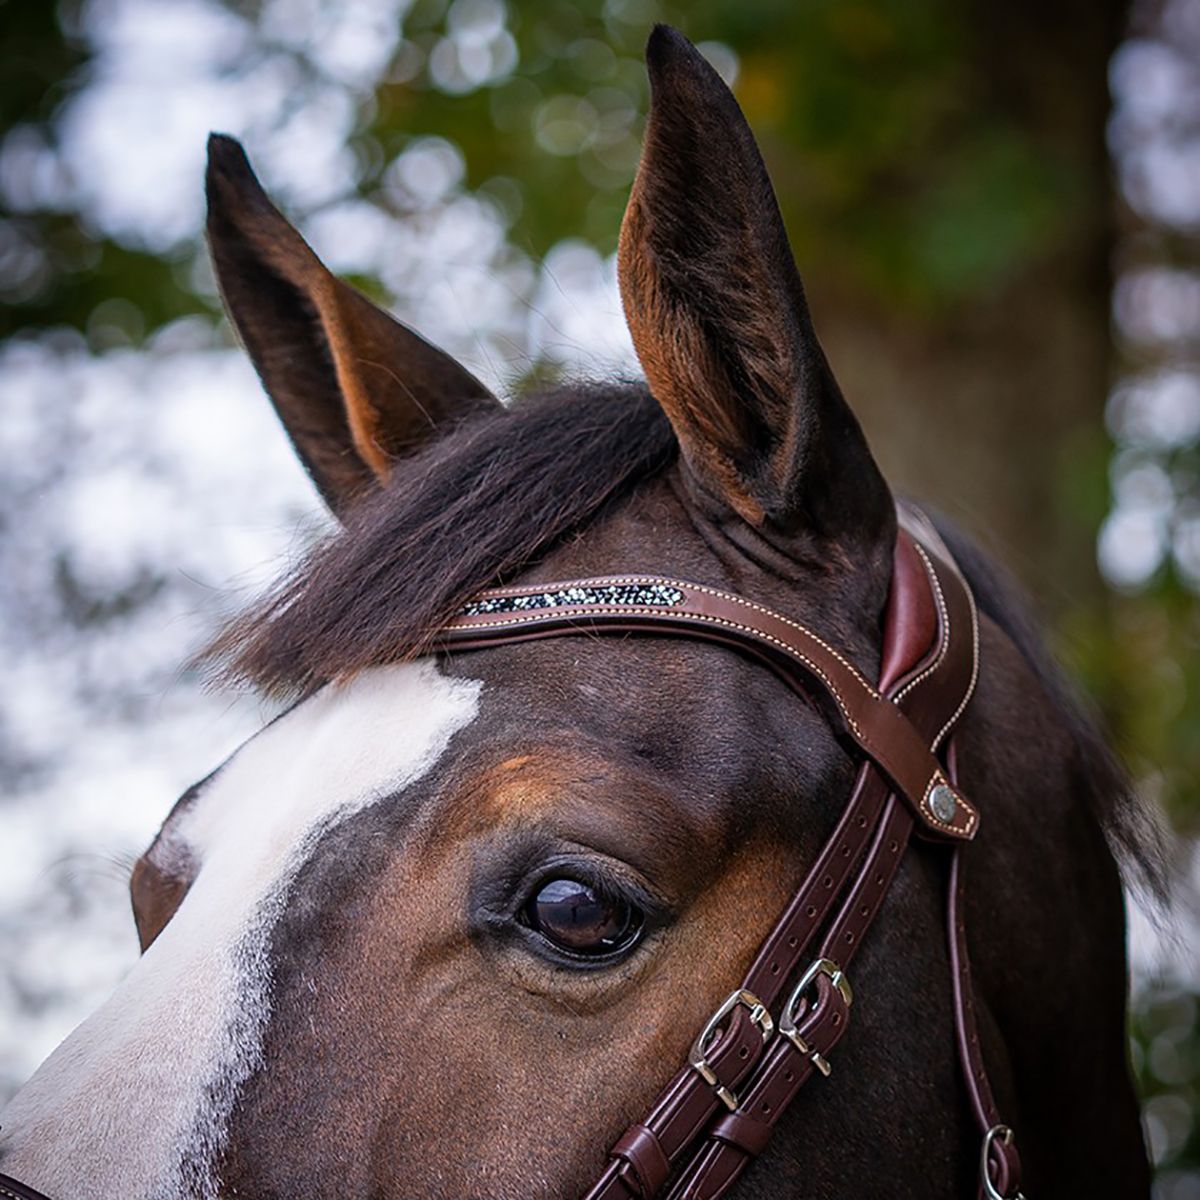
(937,587)
(618,610)
(916,516)
(968,809)
(533,589)
(944,616)
(958,712)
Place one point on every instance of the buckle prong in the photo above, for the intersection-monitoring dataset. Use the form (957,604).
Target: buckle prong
(697,1056)
(787,1022)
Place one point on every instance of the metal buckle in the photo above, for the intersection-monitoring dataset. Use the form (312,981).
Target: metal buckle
(990,1191)
(787,1022)
(696,1056)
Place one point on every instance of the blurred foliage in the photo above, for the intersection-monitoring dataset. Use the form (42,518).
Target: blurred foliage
(39,62)
(547,97)
(1166,1061)
(917,174)
(1138,654)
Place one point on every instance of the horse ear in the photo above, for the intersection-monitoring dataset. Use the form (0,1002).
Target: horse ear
(355,389)
(719,320)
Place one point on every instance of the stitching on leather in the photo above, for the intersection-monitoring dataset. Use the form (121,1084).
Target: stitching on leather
(791,624)
(868,743)
(619,610)
(935,538)
(944,617)
(861,735)
(958,712)
(601,580)
(935,582)
(949,826)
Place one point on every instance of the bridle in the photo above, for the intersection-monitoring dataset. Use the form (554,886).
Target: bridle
(746,1065)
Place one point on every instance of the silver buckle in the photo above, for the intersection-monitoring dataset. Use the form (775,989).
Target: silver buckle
(985,1178)
(697,1059)
(787,1022)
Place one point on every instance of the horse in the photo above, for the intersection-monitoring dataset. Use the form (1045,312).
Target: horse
(445,926)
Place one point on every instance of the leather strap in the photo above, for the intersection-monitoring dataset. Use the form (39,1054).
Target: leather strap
(14,1189)
(937,683)
(820,1018)
(690,1102)
(803,659)
(1000,1163)
(735,1139)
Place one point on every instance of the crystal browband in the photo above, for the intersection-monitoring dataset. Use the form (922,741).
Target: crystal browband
(645,595)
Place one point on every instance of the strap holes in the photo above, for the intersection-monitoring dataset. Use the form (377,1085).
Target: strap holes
(810,911)
(893,845)
(845,851)
(848,938)
(790,1076)
(743,1053)
(864,911)
(862,822)
(766,1107)
(879,880)
(774,968)
(827,882)
(837,1018)
(793,940)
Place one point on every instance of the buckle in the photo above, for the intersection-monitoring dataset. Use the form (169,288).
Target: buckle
(697,1059)
(787,1022)
(990,1191)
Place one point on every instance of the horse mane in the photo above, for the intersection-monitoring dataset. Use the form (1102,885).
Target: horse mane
(484,501)
(492,497)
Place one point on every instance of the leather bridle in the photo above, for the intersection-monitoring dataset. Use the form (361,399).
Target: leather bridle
(778,1028)
(746,1065)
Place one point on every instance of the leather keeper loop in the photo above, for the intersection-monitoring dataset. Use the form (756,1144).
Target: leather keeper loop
(744,1132)
(1004,1166)
(640,1148)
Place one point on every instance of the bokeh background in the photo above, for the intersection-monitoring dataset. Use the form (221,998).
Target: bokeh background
(996,206)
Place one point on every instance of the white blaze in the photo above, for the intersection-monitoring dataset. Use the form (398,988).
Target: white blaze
(149,1080)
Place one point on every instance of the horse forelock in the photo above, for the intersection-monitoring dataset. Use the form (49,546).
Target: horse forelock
(482,503)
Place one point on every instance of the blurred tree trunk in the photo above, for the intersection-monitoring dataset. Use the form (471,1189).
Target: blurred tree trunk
(992,408)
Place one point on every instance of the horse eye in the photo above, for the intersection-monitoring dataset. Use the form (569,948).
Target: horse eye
(581,920)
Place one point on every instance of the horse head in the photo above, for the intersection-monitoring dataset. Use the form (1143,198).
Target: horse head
(446,926)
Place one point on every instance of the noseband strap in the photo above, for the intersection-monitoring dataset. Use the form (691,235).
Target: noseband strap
(755,1053)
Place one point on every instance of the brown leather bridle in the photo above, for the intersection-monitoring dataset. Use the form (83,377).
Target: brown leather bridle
(746,1065)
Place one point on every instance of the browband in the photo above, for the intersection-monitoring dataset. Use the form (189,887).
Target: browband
(644,603)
